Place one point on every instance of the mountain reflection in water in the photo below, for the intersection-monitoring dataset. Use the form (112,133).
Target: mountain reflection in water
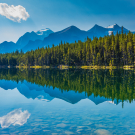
(113,86)
(65,102)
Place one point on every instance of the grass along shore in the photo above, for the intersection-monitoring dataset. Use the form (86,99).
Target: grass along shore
(126,67)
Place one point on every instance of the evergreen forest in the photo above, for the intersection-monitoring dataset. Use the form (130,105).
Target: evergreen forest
(113,50)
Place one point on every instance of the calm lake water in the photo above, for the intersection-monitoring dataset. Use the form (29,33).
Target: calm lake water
(67,102)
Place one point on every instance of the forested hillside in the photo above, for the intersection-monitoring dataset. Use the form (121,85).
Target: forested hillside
(113,50)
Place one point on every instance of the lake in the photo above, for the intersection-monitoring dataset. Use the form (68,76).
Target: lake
(67,102)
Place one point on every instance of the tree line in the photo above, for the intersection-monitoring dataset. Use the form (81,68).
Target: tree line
(113,50)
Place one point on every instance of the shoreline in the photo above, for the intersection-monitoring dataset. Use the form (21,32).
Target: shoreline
(126,67)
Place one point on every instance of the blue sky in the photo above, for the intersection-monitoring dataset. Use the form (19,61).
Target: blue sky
(59,14)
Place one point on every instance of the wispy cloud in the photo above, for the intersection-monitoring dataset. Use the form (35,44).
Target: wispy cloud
(14,13)
(16,117)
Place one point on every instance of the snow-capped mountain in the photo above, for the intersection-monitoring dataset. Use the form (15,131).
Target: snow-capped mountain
(100,31)
(38,35)
(112,26)
(70,35)
(115,28)
(44,37)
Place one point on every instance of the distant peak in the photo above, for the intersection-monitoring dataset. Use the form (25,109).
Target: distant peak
(112,26)
(97,26)
(46,29)
(72,26)
(40,32)
(116,25)
(7,42)
(30,32)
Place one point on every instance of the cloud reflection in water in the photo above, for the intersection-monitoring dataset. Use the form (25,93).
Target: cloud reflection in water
(16,117)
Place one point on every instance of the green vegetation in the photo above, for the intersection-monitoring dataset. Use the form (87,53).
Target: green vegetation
(114,84)
(115,50)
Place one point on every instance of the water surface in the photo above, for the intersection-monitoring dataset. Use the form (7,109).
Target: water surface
(54,102)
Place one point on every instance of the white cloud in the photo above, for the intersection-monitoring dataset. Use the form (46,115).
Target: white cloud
(14,13)
(16,117)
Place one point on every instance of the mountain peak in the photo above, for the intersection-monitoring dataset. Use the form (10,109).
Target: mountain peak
(71,28)
(5,42)
(41,32)
(34,35)
(113,26)
(46,29)
(97,29)
(96,25)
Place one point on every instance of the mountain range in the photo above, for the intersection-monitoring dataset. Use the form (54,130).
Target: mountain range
(42,38)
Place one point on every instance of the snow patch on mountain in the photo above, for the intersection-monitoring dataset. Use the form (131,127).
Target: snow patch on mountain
(110,32)
(41,32)
(111,26)
(45,29)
